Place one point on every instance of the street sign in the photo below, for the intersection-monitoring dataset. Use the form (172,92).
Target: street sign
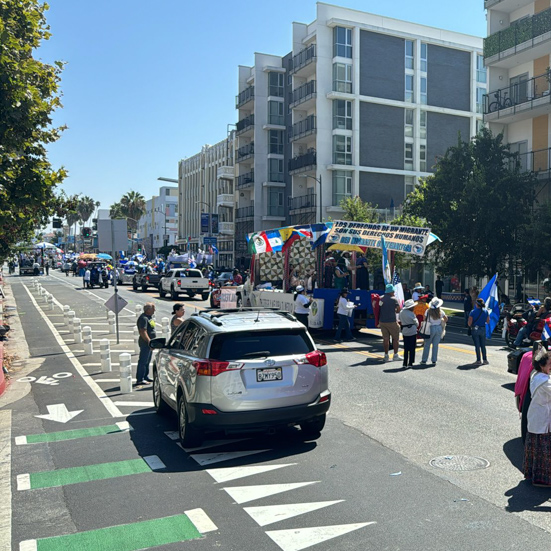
(112,235)
(116,305)
(205,222)
(214,223)
(210,240)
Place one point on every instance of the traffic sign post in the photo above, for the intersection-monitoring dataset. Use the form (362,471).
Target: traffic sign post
(210,240)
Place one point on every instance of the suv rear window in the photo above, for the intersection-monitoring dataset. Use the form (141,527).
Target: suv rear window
(240,346)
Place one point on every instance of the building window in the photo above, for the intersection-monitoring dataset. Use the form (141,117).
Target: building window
(275,170)
(275,138)
(342,42)
(480,99)
(342,150)
(410,184)
(423,57)
(342,114)
(410,54)
(408,156)
(342,78)
(423,158)
(479,125)
(275,202)
(424,90)
(275,113)
(409,123)
(409,89)
(342,186)
(480,70)
(275,84)
(423,125)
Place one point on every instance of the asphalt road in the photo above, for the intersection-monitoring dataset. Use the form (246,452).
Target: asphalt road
(366,483)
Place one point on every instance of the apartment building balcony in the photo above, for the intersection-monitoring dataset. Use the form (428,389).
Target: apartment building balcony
(244,212)
(226,228)
(245,180)
(303,63)
(275,122)
(225,173)
(302,203)
(245,126)
(225,200)
(303,128)
(303,163)
(244,97)
(304,95)
(516,102)
(506,6)
(538,162)
(524,40)
(245,152)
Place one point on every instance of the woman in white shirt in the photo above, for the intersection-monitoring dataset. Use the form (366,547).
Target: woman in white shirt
(343,312)
(537,449)
(302,303)
(434,316)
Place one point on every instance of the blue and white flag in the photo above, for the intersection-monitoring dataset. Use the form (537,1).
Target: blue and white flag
(386,266)
(546,333)
(214,249)
(491,298)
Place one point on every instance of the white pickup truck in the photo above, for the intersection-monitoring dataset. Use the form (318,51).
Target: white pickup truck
(185,281)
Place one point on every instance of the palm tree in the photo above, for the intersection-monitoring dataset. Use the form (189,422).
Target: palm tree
(115,211)
(86,207)
(133,207)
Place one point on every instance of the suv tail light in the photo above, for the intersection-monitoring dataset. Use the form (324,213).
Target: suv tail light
(210,368)
(147,278)
(179,283)
(315,358)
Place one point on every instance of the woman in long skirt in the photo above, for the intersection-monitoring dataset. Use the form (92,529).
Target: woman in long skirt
(537,451)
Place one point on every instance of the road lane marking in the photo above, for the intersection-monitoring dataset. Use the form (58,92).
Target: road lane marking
(130,404)
(233,473)
(124,537)
(96,389)
(88,473)
(210,458)
(5,480)
(244,494)
(74,434)
(201,520)
(276,513)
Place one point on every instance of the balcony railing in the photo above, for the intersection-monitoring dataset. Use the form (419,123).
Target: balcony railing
(244,97)
(517,33)
(538,161)
(245,152)
(302,93)
(303,127)
(245,123)
(302,202)
(519,96)
(245,212)
(302,161)
(245,180)
(303,58)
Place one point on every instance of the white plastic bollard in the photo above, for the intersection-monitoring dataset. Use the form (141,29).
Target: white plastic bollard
(136,339)
(70,318)
(105,355)
(166,328)
(45,296)
(77,331)
(33,283)
(125,368)
(87,340)
(138,310)
(65,312)
(51,301)
(111,322)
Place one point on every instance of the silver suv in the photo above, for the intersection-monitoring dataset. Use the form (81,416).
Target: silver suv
(241,369)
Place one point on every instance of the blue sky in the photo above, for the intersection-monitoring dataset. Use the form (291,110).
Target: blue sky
(148,83)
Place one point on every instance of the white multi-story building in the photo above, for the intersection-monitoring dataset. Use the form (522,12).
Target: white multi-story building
(518,104)
(159,225)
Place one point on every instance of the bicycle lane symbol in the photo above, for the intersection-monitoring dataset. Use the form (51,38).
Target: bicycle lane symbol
(53,380)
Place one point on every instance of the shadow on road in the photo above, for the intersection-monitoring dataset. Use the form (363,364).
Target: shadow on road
(468,367)
(509,386)
(514,450)
(526,497)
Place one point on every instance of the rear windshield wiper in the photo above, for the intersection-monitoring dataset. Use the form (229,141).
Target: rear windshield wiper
(259,354)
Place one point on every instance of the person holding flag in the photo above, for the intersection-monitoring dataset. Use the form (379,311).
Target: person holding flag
(479,318)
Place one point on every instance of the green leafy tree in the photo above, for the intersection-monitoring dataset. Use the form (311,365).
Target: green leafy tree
(478,202)
(29,94)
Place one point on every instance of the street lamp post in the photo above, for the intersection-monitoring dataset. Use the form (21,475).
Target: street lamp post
(318,180)
(210,223)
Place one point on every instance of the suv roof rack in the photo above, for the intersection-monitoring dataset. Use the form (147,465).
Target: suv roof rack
(212,314)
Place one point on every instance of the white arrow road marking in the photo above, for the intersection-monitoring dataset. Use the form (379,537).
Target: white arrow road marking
(59,413)
(47,381)
(301,538)
(209,458)
(244,494)
(275,513)
(233,473)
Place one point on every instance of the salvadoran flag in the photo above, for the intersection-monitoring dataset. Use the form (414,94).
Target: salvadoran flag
(546,333)
(490,296)
(319,234)
(386,266)
(214,249)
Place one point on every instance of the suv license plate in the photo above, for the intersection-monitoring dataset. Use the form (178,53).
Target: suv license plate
(272,374)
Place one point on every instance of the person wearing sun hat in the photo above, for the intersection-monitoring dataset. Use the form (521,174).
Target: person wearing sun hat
(388,324)
(418,290)
(410,323)
(434,316)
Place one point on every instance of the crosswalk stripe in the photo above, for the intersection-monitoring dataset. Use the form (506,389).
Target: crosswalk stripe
(276,513)
(201,520)
(210,458)
(233,473)
(73,434)
(244,494)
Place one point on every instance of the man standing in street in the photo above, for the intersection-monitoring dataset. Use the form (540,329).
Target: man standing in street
(439,285)
(388,323)
(146,328)
(47,267)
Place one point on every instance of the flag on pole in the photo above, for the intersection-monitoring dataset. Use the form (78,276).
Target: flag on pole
(386,266)
(491,298)
(399,293)
(214,249)
(546,333)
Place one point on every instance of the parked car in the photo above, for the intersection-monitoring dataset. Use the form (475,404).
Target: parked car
(223,278)
(187,281)
(241,369)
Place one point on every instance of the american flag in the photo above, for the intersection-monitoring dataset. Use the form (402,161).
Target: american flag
(399,293)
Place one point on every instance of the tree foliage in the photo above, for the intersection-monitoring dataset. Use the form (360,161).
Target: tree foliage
(131,206)
(29,94)
(478,202)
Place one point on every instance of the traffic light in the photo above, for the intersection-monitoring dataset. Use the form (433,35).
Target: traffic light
(56,223)
(95,224)
(139,248)
(86,233)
